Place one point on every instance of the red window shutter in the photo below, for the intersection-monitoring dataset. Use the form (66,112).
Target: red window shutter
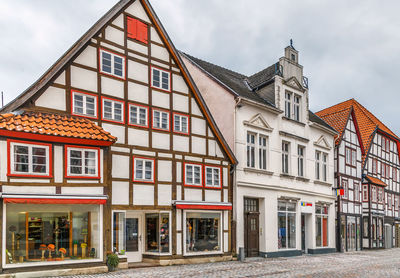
(132,27)
(142,32)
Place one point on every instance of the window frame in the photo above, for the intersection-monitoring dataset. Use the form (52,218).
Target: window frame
(144,159)
(95,96)
(322,215)
(161,71)
(251,146)
(162,111)
(113,100)
(285,153)
(349,157)
(297,107)
(200,185)
(113,54)
(374,166)
(205,176)
(288,104)
(301,157)
(67,173)
(365,192)
(356,192)
(262,152)
(188,123)
(10,160)
(130,104)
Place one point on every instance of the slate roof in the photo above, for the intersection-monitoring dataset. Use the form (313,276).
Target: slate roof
(54,124)
(242,85)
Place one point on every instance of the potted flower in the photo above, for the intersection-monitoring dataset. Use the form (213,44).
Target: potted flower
(43,248)
(112,261)
(63,251)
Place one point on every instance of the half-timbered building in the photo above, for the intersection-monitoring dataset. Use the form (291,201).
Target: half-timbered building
(168,174)
(348,177)
(380,175)
(283,198)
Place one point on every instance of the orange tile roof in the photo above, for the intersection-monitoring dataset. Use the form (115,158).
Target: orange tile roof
(54,124)
(375,181)
(367,123)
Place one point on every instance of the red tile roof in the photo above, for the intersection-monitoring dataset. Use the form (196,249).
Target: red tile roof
(55,125)
(375,181)
(367,123)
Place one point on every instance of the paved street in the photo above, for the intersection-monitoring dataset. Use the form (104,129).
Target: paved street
(383,263)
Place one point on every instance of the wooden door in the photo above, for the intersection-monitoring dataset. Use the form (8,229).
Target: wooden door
(251,229)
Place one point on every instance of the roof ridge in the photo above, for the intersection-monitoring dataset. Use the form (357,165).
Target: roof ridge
(337,104)
(332,113)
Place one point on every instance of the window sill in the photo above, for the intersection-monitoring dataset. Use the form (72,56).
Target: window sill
(287,176)
(258,171)
(203,253)
(302,179)
(322,183)
(293,121)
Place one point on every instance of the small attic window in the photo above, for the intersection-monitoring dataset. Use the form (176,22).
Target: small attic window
(293,57)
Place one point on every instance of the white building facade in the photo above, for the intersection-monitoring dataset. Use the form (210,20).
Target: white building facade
(283,197)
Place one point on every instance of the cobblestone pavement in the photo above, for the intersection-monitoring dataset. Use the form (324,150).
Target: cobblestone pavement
(376,264)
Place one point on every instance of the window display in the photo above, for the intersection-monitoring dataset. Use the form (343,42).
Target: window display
(286,225)
(118,232)
(157,233)
(37,233)
(203,232)
(321,225)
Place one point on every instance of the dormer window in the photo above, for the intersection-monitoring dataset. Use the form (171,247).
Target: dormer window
(292,106)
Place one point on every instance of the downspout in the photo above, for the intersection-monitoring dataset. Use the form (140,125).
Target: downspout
(234,178)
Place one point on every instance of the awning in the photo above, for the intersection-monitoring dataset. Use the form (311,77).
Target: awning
(375,181)
(203,205)
(53,199)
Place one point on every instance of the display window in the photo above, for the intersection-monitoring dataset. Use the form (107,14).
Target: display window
(203,232)
(50,233)
(157,233)
(286,225)
(119,237)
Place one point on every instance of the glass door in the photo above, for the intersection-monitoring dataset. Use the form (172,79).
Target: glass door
(351,233)
(134,238)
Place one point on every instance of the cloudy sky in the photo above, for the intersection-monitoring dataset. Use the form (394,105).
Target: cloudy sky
(348,48)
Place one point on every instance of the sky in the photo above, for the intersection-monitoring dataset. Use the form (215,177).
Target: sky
(349,49)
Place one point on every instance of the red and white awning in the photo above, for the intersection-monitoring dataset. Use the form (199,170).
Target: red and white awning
(203,205)
(53,199)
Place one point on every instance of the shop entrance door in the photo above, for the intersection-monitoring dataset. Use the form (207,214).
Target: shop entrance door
(134,236)
(251,227)
(351,233)
(303,233)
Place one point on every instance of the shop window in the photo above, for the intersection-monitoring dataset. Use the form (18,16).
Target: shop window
(321,225)
(28,159)
(213,177)
(143,169)
(157,233)
(160,79)
(113,110)
(119,232)
(82,162)
(193,175)
(286,224)
(37,233)
(112,64)
(365,227)
(181,123)
(203,232)
(84,104)
(160,119)
(138,115)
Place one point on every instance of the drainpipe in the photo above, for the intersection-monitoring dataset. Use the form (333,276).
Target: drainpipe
(234,179)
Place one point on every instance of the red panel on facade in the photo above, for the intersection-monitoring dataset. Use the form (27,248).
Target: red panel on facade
(207,207)
(132,27)
(53,201)
(137,30)
(141,32)
(325,232)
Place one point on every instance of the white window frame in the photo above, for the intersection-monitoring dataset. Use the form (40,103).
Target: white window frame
(285,155)
(301,158)
(262,152)
(288,104)
(83,150)
(130,105)
(296,108)
(113,55)
(144,160)
(251,149)
(356,191)
(180,123)
(162,112)
(161,71)
(30,158)
(318,165)
(85,96)
(113,102)
(324,167)
(213,184)
(193,183)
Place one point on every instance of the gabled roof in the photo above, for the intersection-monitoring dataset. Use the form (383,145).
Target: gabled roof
(79,46)
(367,123)
(241,85)
(37,123)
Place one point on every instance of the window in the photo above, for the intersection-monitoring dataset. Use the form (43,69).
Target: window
(181,123)
(351,157)
(317,165)
(160,79)
(262,152)
(321,225)
(300,161)
(84,104)
(50,225)
(202,232)
(193,175)
(389,201)
(374,166)
(285,157)
(138,115)
(394,174)
(112,64)
(345,186)
(82,162)
(288,104)
(251,138)
(286,224)
(119,236)
(356,191)
(29,159)
(213,177)
(113,110)
(385,144)
(396,202)
(373,189)
(157,233)
(160,119)
(143,169)
(366,227)
(296,108)
(137,30)
(324,167)
(380,194)
(365,192)
(321,166)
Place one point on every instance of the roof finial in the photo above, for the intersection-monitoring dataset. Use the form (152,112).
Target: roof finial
(291,43)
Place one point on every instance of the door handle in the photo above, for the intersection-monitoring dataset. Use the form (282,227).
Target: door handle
(140,237)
